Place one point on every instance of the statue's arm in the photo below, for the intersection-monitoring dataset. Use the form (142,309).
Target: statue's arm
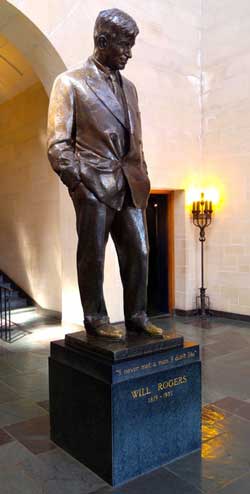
(61,128)
(139,116)
(144,163)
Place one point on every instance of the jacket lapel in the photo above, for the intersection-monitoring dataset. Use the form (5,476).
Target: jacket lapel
(97,83)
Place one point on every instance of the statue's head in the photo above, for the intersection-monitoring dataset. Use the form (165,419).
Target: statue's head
(114,36)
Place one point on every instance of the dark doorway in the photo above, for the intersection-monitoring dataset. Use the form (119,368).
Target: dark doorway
(157,220)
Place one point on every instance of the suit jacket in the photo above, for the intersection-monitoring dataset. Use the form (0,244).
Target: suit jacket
(85,133)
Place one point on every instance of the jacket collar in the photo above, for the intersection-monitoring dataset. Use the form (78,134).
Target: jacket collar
(97,82)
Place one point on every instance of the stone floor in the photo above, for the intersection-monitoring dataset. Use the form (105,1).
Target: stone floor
(31,464)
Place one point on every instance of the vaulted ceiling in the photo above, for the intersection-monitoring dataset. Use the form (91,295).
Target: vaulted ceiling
(16,74)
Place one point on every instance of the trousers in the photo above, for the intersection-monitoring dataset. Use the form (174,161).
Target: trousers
(128,229)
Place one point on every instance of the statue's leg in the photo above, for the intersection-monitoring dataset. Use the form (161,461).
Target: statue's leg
(93,220)
(129,233)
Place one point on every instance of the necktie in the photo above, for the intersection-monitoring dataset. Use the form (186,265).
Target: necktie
(118,91)
(116,86)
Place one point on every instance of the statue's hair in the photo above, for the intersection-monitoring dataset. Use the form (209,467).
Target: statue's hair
(114,21)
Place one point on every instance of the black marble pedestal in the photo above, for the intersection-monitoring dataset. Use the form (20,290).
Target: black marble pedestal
(123,409)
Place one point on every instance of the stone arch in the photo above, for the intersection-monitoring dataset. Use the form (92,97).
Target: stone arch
(34,45)
(29,195)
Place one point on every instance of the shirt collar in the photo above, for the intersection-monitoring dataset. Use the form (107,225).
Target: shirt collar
(104,68)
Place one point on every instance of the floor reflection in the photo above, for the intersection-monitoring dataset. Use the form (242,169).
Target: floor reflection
(30,464)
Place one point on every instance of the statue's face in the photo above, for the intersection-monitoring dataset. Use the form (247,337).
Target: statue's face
(119,50)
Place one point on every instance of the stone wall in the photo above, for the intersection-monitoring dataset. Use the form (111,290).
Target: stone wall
(226,149)
(30,251)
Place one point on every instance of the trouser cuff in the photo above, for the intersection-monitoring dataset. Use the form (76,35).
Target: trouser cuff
(95,321)
(136,321)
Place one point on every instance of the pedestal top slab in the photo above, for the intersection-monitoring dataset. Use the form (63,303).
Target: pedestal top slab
(133,346)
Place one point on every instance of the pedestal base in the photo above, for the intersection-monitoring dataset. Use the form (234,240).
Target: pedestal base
(124,409)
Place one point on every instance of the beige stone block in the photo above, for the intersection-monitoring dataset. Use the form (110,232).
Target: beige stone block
(240,309)
(180,283)
(227,117)
(244,268)
(181,271)
(229,294)
(233,250)
(245,260)
(244,299)
(228,28)
(179,300)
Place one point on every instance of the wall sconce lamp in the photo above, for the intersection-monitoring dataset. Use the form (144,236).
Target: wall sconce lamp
(202,216)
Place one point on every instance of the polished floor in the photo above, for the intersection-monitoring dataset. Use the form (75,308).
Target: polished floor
(31,464)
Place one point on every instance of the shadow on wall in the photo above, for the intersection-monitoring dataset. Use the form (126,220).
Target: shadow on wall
(31,268)
(29,195)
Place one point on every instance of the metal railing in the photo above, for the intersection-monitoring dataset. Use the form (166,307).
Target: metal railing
(5,313)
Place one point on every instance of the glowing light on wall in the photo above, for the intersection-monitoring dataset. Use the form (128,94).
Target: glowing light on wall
(211,193)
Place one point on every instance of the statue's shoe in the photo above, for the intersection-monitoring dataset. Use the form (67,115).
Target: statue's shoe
(147,329)
(106,331)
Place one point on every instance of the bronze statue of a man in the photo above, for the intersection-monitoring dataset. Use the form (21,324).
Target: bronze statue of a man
(95,146)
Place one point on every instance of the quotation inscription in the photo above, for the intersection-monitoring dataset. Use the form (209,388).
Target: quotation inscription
(156,364)
(165,390)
